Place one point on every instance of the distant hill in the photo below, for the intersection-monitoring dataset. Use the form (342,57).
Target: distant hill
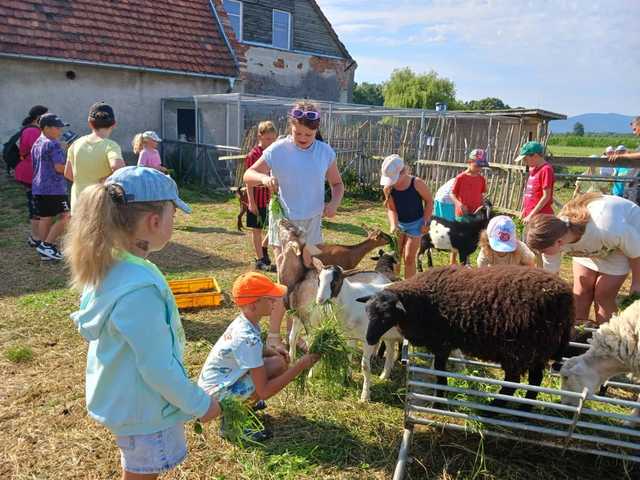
(594,122)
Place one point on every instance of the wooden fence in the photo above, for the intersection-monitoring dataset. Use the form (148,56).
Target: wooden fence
(436,148)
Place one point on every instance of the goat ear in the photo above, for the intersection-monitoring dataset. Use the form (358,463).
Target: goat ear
(400,307)
(364,299)
(317,263)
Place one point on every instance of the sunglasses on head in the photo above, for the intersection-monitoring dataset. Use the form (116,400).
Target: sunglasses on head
(308,115)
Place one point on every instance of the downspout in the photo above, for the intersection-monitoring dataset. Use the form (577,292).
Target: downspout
(232,81)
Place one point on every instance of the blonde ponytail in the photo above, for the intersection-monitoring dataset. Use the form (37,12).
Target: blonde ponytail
(102,225)
(138,143)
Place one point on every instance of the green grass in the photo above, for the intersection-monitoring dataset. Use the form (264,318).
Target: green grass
(47,434)
(564,151)
(18,354)
(594,140)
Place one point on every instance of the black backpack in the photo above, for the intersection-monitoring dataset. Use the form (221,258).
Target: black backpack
(11,152)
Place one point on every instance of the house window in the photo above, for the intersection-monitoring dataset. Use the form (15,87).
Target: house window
(234,11)
(281,31)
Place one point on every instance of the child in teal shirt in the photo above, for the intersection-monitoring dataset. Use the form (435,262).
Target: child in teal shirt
(136,383)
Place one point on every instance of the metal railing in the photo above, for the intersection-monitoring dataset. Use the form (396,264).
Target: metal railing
(597,425)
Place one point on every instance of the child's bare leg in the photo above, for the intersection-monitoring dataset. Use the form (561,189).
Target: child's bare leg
(256,240)
(453,257)
(44,225)
(57,229)
(410,253)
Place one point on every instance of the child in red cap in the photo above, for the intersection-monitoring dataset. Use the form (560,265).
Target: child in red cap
(239,364)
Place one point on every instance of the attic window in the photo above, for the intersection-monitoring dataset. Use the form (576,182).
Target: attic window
(234,12)
(281,30)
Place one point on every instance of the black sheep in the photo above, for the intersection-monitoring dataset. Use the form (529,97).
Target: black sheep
(460,236)
(516,316)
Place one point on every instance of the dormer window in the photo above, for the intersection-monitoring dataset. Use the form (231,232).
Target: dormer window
(281,29)
(234,12)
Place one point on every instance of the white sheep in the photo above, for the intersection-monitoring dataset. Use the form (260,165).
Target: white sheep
(615,349)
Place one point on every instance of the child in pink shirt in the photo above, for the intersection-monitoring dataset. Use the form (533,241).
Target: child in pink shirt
(145,145)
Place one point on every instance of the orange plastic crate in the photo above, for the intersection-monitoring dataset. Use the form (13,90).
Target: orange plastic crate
(193,285)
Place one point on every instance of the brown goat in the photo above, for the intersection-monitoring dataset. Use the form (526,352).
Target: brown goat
(349,256)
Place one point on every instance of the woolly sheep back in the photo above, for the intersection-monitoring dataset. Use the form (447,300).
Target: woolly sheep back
(518,316)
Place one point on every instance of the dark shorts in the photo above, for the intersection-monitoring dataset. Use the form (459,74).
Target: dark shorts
(259,221)
(51,205)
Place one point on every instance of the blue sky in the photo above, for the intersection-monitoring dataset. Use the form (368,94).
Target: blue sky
(565,56)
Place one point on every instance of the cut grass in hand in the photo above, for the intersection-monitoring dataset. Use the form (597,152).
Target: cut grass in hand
(239,422)
(329,341)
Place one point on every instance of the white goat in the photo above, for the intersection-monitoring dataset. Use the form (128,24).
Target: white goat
(615,349)
(345,288)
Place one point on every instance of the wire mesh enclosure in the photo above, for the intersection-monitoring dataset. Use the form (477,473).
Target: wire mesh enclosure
(598,425)
(207,137)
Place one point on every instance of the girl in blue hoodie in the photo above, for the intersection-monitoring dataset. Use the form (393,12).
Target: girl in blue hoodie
(136,383)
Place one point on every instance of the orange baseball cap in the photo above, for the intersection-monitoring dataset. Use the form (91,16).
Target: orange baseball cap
(250,287)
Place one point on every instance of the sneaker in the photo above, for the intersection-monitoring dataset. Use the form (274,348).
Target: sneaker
(261,265)
(251,435)
(259,405)
(32,241)
(48,251)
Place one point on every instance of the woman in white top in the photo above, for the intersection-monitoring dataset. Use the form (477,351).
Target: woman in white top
(297,167)
(602,234)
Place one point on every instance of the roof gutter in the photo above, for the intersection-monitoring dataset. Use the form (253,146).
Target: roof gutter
(231,80)
(224,35)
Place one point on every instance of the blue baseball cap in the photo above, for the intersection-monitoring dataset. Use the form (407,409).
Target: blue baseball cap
(144,184)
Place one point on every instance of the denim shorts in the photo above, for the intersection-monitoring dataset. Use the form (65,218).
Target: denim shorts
(153,453)
(412,229)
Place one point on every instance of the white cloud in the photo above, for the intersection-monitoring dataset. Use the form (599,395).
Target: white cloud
(546,51)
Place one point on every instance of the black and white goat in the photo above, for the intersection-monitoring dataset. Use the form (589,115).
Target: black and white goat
(462,237)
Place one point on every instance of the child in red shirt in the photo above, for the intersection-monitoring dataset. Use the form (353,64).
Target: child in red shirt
(258,199)
(470,186)
(538,194)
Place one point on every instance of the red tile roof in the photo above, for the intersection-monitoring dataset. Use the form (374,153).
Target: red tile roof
(177,35)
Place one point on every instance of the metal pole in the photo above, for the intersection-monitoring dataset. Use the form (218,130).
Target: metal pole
(330,124)
(239,123)
(403,454)
(421,137)
(227,122)
(195,102)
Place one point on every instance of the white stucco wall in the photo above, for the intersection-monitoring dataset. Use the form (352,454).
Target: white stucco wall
(135,96)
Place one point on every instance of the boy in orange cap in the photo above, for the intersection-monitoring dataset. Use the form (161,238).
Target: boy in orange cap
(239,364)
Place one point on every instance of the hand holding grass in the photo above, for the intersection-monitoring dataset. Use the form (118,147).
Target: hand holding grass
(213,411)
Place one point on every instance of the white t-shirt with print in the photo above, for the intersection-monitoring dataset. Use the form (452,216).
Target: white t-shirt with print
(611,237)
(236,352)
(301,176)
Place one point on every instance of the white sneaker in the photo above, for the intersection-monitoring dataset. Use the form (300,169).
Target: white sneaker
(48,252)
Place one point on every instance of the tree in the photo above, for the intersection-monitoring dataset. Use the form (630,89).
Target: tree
(408,90)
(578,129)
(368,94)
(489,103)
